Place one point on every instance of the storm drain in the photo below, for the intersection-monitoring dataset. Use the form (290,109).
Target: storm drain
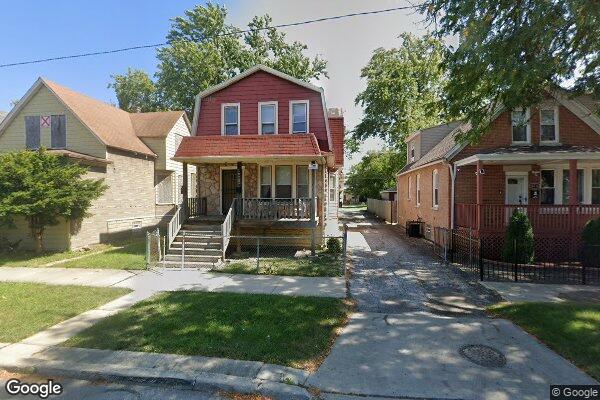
(483,355)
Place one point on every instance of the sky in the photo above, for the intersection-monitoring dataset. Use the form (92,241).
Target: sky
(62,27)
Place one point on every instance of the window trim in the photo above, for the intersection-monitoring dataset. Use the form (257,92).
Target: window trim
(292,102)
(418,191)
(268,103)
(556,125)
(292,181)
(435,186)
(294,166)
(527,128)
(223,106)
(409,197)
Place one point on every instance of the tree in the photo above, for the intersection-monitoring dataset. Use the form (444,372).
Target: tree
(403,93)
(135,91)
(375,172)
(203,50)
(511,52)
(43,188)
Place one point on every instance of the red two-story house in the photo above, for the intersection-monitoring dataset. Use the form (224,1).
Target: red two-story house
(544,160)
(268,154)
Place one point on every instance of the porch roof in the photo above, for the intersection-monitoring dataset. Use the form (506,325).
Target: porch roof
(216,148)
(528,154)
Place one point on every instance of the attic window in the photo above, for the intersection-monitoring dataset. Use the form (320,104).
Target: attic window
(548,125)
(231,119)
(521,132)
(32,132)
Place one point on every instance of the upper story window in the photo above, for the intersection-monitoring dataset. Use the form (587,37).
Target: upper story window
(521,132)
(32,132)
(418,193)
(230,116)
(412,152)
(299,116)
(267,118)
(549,125)
(58,132)
(409,195)
(435,192)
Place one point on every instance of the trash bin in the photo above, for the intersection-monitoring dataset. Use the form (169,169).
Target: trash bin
(414,228)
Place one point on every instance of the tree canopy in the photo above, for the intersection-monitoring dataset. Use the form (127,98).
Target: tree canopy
(43,188)
(375,172)
(510,52)
(403,93)
(203,50)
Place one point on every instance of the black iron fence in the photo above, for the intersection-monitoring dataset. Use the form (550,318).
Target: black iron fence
(483,259)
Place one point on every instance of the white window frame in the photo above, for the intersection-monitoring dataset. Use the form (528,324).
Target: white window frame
(223,106)
(527,128)
(294,177)
(418,190)
(412,152)
(292,102)
(268,103)
(409,197)
(435,186)
(556,125)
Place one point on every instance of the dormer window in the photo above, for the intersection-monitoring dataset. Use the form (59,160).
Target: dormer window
(412,152)
(267,118)
(230,116)
(299,116)
(521,132)
(549,125)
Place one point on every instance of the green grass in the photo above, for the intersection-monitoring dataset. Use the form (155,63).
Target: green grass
(23,258)
(131,256)
(321,265)
(570,329)
(285,330)
(27,308)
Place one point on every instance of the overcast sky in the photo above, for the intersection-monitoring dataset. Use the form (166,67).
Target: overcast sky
(347,44)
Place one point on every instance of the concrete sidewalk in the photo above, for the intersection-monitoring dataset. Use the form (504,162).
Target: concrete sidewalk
(66,276)
(548,293)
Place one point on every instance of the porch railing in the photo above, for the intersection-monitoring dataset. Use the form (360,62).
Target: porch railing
(227,225)
(544,218)
(275,209)
(196,206)
(175,223)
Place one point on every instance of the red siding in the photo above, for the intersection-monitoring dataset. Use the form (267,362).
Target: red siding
(336,127)
(261,86)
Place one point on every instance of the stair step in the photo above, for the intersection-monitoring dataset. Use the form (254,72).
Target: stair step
(193,258)
(198,245)
(196,252)
(187,265)
(198,239)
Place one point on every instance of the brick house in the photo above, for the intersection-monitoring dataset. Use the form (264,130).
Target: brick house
(532,160)
(268,151)
(131,151)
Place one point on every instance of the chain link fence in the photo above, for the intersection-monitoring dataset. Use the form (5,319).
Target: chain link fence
(154,248)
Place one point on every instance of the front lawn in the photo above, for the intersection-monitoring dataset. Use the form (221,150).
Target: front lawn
(130,256)
(321,265)
(285,330)
(24,258)
(570,329)
(27,308)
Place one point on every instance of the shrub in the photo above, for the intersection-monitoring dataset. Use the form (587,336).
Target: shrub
(590,243)
(334,246)
(519,237)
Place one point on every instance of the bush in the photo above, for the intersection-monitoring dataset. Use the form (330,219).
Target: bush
(334,246)
(590,243)
(520,231)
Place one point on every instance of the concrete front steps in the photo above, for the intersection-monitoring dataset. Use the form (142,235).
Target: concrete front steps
(201,244)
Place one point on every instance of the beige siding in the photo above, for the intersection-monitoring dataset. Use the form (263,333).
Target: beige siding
(55,237)
(79,138)
(179,130)
(128,201)
(157,145)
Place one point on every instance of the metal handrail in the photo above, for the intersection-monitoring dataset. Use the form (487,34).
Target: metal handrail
(227,226)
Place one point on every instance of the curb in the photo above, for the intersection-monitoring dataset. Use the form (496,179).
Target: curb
(201,382)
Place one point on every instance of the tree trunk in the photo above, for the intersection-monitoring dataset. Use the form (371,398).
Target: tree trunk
(37,232)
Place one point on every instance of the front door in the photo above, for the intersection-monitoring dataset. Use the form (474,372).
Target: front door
(227,189)
(515,190)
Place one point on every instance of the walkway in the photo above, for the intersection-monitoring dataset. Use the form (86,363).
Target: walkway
(416,315)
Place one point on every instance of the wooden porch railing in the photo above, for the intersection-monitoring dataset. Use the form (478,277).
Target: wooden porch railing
(227,226)
(275,209)
(559,219)
(196,206)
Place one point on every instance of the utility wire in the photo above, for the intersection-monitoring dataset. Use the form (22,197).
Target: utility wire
(237,32)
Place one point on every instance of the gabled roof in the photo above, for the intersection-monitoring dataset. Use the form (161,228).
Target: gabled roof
(112,126)
(442,129)
(3,115)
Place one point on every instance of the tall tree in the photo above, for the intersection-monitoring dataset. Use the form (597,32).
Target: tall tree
(375,172)
(204,50)
(135,91)
(510,52)
(44,188)
(403,93)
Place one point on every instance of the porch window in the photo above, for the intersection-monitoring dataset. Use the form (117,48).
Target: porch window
(596,186)
(565,193)
(268,118)
(283,181)
(265,182)
(299,116)
(548,126)
(418,189)
(520,126)
(302,181)
(231,119)
(547,187)
(435,189)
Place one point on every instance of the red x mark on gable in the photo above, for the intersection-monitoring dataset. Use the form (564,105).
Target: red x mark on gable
(45,121)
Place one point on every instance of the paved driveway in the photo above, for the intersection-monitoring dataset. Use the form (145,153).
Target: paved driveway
(415,318)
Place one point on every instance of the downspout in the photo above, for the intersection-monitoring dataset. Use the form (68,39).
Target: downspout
(452,179)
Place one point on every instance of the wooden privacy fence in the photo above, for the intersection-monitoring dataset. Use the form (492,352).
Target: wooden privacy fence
(384,209)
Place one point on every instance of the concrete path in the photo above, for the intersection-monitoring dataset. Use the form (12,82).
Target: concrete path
(169,280)
(416,317)
(519,292)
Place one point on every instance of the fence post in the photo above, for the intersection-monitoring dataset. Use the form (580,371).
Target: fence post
(451,246)
(257,254)
(147,249)
(345,246)
(470,248)
(481,259)
(158,244)
(515,259)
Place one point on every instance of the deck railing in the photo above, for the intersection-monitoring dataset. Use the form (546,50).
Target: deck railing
(275,209)
(227,225)
(196,206)
(544,218)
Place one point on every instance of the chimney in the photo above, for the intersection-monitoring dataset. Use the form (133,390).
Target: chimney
(337,129)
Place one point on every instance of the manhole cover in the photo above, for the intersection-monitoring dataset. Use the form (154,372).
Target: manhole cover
(483,355)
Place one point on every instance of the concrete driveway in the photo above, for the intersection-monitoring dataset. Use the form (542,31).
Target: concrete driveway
(414,333)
